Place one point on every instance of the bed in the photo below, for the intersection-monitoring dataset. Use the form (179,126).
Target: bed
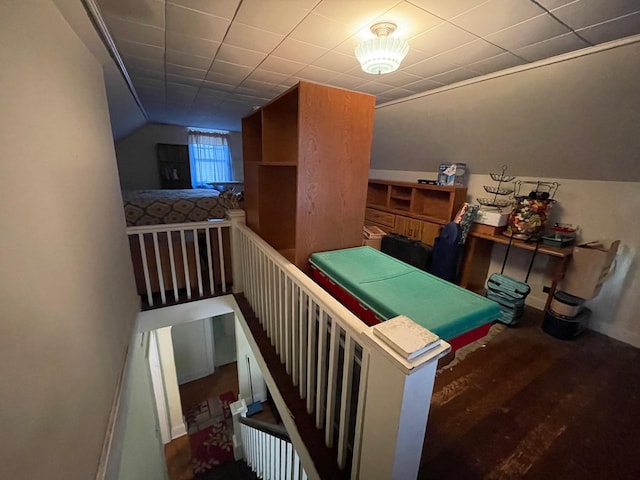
(153,207)
(377,287)
(157,207)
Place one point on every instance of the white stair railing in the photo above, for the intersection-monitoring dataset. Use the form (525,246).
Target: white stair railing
(340,368)
(184,260)
(270,454)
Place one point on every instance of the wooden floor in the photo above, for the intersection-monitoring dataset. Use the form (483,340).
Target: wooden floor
(530,406)
(225,379)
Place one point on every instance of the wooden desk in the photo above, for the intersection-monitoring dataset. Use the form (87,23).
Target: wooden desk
(477,257)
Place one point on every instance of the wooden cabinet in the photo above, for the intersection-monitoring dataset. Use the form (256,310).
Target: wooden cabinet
(306,162)
(415,210)
(173,165)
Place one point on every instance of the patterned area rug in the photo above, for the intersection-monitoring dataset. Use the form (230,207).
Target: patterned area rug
(211,433)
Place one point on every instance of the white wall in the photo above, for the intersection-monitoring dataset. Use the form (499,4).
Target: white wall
(140,438)
(67,293)
(244,352)
(137,160)
(574,119)
(193,350)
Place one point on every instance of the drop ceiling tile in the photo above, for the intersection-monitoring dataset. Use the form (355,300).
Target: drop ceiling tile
(194,61)
(268,77)
(497,15)
(281,65)
(181,89)
(194,82)
(430,67)
(552,47)
(471,52)
(423,85)
(185,71)
(374,87)
(219,8)
(239,56)
(349,45)
(297,51)
(400,78)
(551,4)
(398,93)
(219,84)
(447,8)
(197,24)
(134,32)
(591,12)
(256,86)
(148,83)
(251,38)
(440,39)
(528,32)
(355,13)
(212,94)
(141,50)
(320,31)
(144,62)
(494,64)
(453,76)
(157,75)
(347,81)
(410,20)
(230,70)
(274,16)
(191,45)
(336,61)
(147,13)
(316,74)
(613,29)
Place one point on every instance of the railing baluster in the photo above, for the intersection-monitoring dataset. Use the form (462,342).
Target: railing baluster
(311,354)
(321,373)
(282,303)
(145,268)
(172,262)
(345,400)
(185,263)
(156,250)
(332,381)
(286,299)
(223,276)
(196,248)
(295,339)
(302,322)
(357,439)
(212,287)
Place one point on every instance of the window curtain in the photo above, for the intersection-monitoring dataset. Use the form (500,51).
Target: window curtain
(210,158)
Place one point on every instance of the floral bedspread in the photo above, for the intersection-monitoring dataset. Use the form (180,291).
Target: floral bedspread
(153,207)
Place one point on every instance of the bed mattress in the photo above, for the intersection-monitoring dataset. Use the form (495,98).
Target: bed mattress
(381,287)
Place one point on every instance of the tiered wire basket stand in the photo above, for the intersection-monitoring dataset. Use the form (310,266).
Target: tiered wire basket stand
(499,191)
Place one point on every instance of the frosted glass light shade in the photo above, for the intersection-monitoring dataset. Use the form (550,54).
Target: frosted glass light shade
(381,55)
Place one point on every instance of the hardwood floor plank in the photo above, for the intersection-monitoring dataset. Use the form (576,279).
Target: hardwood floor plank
(530,406)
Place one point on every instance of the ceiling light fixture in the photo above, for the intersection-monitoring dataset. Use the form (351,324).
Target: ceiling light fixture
(383,53)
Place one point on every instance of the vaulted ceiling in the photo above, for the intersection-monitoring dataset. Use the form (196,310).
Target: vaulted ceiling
(208,63)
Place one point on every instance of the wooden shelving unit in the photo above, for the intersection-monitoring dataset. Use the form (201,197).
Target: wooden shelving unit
(306,162)
(412,209)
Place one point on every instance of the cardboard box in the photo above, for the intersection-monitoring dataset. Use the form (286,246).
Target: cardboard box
(588,268)
(372,236)
(495,219)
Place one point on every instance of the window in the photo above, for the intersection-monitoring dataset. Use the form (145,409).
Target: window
(210,158)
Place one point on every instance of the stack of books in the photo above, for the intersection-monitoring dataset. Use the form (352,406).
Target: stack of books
(405,337)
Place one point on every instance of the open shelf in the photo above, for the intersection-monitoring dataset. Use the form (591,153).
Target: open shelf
(280,130)
(252,142)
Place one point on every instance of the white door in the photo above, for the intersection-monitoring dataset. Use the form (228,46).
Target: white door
(193,350)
